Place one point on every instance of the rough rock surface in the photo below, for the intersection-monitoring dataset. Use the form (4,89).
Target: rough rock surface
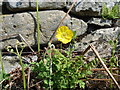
(100,22)
(10,63)
(99,39)
(116,22)
(20,5)
(82,8)
(25,24)
(1,6)
(87,8)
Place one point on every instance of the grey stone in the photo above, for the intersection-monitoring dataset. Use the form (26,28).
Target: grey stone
(20,5)
(30,58)
(87,8)
(116,22)
(99,39)
(10,63)
(79,26)
(100,22)
(1,1)
(48,4)
(17,5)
(81,8)
(25,24)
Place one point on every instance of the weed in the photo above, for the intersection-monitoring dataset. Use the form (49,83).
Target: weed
(3,76)
(38,25)
(18,53)
(108,13)
(66,73)
(59,71)
(113,59)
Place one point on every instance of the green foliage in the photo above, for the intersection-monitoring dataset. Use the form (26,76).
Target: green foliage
(74,35)
(1,62)
(3,75)
(19,53)
(66,73)
(114,58)
(108,13)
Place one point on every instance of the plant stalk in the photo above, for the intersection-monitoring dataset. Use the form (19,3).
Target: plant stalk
(3,71)
(38,26)
(50,70)
(23,73)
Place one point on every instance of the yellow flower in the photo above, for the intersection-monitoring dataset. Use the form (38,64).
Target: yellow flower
(64,34)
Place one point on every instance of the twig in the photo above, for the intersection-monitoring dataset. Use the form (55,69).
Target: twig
(50,55)
(96,79)
(107,70)
(26,43)
(86,50)
(28,83)
(36,84)
(116,74)
(10,85)
(2,81)
(102,69)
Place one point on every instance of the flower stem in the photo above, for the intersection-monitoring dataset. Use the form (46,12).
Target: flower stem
(3,71)
(38,26)
(23,73)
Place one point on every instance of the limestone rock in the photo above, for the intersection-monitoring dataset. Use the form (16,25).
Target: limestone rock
(10,63)
(88,8)
(1,6)
(100,22)
(116,22)
(99,39)
(49,4)
(21,5)
(81,8)
(25,24)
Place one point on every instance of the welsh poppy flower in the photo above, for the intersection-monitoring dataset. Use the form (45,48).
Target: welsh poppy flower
(64,34)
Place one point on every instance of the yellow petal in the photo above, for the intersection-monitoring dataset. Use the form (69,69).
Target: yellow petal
(64,34)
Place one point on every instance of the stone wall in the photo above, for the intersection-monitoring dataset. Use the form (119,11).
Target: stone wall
(19,17)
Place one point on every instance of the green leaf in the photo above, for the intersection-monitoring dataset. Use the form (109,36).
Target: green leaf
(74,35)
(1,76)
(89,72)
(50,82)
(46,82)
(81,83)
